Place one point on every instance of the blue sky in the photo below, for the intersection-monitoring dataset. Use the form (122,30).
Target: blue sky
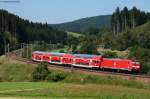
(58,11)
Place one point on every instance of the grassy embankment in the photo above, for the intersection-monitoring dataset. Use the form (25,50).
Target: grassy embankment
(73,86)
(67,90)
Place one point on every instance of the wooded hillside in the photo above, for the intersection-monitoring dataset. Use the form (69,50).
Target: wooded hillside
(14,29)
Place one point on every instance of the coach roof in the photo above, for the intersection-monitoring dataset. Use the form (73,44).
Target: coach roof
(40,52)
(85,55)
(56,54)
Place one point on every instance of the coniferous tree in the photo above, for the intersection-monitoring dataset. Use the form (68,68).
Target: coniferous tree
(113,23)
(118,20)
(121,20)
(125,18)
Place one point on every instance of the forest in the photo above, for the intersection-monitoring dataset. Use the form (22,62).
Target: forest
(121,20)
(15,30)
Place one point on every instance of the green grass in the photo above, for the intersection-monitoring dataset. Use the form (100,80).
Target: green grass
(78,78)
(66,90)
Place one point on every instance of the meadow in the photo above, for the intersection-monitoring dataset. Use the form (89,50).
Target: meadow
(16,82)
(67,90)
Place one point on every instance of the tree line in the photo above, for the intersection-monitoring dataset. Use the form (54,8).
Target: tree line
(125,18)
(14,29)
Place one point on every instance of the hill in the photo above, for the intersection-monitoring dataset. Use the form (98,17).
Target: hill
(143,28)
(141,35)
(82,25)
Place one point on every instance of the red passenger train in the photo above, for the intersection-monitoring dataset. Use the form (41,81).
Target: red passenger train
(86,61)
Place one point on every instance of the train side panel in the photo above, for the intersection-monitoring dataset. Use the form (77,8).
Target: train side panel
(38,56)
(60,58)
(67,59)
(87,61)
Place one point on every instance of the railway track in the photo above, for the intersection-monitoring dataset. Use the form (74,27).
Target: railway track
(144,78)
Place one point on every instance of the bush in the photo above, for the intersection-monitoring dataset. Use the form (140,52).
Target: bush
(62,51)
(145,68)
(41,72)
(143,56)
(56,76)
(110,54)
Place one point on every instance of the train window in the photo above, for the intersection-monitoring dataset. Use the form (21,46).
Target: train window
(39,58)
(82,63)
(46,58)
(135,63)
(95,61)
(78,63)
(71,60)
(55,60)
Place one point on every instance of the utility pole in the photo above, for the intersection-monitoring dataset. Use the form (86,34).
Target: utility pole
(5,47)
(31,49)
(23,50)
(8,50)
(27,50)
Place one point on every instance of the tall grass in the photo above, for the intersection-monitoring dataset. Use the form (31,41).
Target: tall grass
(10,72)
(66,90)
(109,80)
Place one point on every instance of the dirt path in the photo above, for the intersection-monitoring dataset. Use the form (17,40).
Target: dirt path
(20,90)
(14,98)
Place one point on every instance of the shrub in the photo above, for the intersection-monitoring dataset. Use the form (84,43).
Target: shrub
(41,72)
(143,56)
(110,54)
(62,51)
(56,76)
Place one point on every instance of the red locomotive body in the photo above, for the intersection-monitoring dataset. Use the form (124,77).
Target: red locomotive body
(119,64)
(135,66)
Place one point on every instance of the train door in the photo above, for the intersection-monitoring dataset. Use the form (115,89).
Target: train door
(95,63)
